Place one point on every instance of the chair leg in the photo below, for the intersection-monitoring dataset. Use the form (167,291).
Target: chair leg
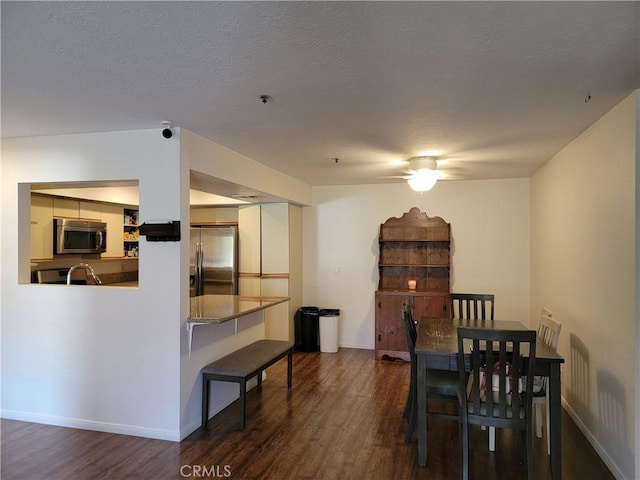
(492,439)
(410,397)
(407,407)
(413,412)
(465,450)
(529,442)
(205,400)
(546,414)
(243,403)
(538,420)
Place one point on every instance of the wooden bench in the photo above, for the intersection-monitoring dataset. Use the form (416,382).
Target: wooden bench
(243,364)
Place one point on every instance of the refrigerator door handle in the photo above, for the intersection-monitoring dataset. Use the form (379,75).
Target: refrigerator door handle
(201,272)
(198,269)
(196,282)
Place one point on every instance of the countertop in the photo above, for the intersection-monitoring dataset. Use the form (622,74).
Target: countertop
(133,283)
(222,308)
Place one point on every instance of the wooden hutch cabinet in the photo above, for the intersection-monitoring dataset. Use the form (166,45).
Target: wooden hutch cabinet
(413,248)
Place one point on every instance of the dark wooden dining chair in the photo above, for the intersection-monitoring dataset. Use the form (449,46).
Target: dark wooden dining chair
(498,391)
(442,385)
(475,306)
(472,306)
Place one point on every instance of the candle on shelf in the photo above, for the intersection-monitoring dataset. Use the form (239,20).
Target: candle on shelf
(412,284)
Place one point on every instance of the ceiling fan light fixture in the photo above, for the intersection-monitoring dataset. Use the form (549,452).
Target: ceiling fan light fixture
(423,180)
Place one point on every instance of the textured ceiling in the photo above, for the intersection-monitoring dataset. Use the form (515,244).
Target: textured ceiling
(493,88)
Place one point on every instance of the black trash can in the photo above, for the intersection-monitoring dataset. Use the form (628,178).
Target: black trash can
(307,325)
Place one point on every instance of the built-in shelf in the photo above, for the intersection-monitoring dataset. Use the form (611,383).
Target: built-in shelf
(130,235)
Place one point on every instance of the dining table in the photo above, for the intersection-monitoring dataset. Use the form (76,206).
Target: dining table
(436,348)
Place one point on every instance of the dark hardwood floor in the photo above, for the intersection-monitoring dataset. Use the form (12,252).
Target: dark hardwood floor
(342,420)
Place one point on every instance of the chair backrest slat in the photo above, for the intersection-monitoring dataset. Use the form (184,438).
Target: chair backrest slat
(549,334)
(476,360)
(472,306)
(498,356)
(516,373)
(549,331)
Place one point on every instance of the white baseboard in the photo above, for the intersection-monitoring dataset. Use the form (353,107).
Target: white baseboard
(611,465)
(106,427)
(137,431)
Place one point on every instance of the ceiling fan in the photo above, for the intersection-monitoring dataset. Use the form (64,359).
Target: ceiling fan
(422,173)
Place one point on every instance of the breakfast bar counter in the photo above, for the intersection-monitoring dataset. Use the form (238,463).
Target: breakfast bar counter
(222,308)
(215,309)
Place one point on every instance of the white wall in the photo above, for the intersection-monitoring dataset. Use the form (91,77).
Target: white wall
(490,245)
(583,221)
(211,342)
(217,161)
(116,359)
(90,357)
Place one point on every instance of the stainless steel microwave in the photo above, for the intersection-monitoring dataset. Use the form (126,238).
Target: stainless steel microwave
(79,236)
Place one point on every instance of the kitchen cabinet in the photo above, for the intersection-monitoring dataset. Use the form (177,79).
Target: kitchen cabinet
(281,274)
(391,338)
(44,208)
(200,216)
(111,214)
(74,208)
(270,260)
(414,264)
(41,228)
(91,210)
(66,207)
(275,238)
(249,244)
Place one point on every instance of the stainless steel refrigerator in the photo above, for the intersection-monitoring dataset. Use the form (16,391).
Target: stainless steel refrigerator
(214,260)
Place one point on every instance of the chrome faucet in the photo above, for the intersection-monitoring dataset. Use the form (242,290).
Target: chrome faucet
(88,268)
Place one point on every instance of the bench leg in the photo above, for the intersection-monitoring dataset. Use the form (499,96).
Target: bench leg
(259,378)
(205,400)
(243,403)
(289,368)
